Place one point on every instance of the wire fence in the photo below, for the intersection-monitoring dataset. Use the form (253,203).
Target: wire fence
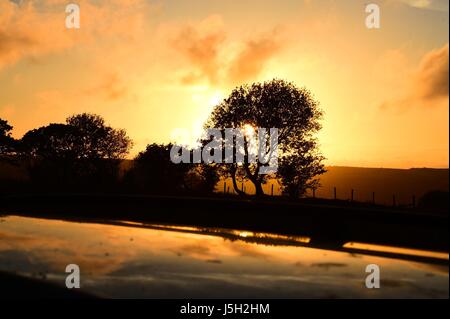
(274,189)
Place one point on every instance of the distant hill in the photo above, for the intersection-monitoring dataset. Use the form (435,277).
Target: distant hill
(385,182)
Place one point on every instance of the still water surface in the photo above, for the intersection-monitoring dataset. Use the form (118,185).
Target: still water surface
(129,260)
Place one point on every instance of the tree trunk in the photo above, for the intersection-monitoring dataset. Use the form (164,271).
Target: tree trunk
(252,176)
(258,187)
(235,185)
(255,181)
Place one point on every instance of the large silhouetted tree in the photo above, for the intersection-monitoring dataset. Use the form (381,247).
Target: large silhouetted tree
(274,104)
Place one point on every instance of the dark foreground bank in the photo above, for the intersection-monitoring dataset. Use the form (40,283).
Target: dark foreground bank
(325,224)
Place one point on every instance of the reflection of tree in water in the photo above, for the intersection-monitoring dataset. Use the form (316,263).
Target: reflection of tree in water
(265,239)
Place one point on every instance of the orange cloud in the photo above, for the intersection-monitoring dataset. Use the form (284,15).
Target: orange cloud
(201,46)
(35,28)
(111,87)
(440,5)
(252,59)
(204,46)
(428,84)
(432,76)
(11,47)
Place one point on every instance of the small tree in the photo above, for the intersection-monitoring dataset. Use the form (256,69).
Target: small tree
(274,104)
(155,173)
(202,178)
(7,143)
(298,171)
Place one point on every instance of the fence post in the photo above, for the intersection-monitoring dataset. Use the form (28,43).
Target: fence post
(224,187)
(352,195)
(314,193)
(272,190)
(335,197)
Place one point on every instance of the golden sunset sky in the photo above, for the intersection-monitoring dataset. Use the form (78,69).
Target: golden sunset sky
(156,68)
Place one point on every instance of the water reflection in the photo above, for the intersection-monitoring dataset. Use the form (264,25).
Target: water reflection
(440,258)
(134,260)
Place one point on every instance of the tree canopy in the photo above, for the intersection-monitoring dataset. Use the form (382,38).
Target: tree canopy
(83,137)
(82,153)
(274,104)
